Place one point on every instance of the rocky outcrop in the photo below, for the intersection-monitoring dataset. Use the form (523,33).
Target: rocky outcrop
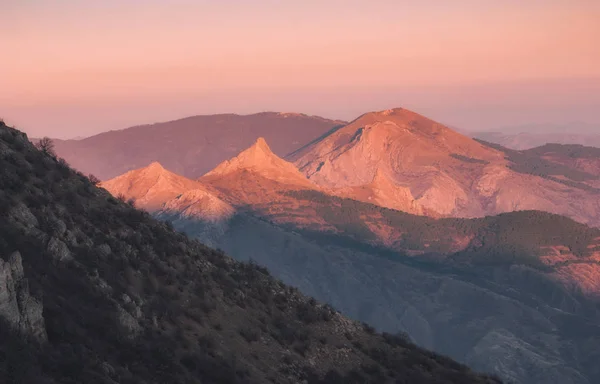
(23,217)
(17,306)
(59,250)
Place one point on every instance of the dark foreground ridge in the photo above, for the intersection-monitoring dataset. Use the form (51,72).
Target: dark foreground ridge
(93,290)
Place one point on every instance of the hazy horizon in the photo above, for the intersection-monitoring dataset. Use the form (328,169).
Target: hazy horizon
(474,65)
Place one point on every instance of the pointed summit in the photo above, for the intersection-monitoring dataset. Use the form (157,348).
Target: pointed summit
(155,166)
(261,160)
(261,145)
(150,186)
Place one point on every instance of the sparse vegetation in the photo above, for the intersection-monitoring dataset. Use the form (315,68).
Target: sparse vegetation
(509,238)
(46,145)
(530,162)
(94,180)
(126,299)
(468,159)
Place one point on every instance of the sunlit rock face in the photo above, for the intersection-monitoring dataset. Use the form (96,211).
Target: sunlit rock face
(401,160)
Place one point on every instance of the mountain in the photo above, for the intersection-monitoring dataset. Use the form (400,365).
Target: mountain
(401,160)
(578,157)
(528,140)
(190,146)
(151,186)
(93,290)
(523,137)
(261,160)
(395,158)
(500,293)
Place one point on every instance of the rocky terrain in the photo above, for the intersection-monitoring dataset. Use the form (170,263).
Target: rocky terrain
(93,290)
(395,158)
(401,160)
(515,294)
(190,146)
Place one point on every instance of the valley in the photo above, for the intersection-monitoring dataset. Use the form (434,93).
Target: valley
(407,272)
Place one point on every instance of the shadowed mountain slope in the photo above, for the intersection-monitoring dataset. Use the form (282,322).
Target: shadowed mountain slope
(514,294)
(124,298)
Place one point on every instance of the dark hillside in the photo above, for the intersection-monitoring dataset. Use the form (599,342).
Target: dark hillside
(94,291)
(566,150)
(534,163)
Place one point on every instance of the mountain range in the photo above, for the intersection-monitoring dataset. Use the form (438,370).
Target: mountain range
(534,135)
(191,146)
(400,222)
(93,290)
(503,293)
(395,158)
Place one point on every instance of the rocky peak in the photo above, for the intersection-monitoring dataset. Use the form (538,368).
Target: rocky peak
(150,186)
(256,157)
(261,146)
(260,159)
(155,166)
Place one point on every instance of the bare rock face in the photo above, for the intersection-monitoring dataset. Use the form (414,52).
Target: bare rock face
(23,216)
(17,306)
(59,250)
(407,161)
(128,323)
(401,160)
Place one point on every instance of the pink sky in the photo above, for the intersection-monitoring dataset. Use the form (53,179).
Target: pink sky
(75,68)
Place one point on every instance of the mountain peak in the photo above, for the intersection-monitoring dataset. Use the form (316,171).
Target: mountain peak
(261,144)
(155,166)
(391,111)
(415,152)
(397,115)
(150,186)
(257,156)
(260,159)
